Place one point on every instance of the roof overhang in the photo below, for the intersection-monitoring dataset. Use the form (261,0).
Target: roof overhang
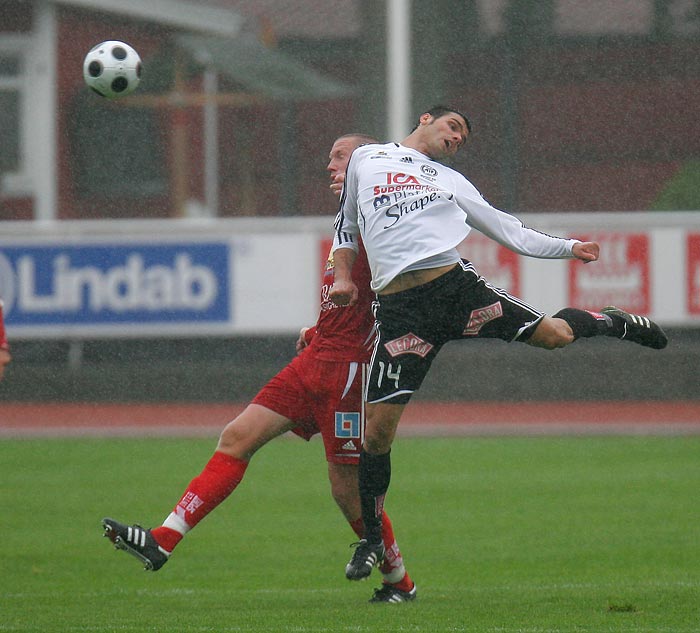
(261,70)
(192,16)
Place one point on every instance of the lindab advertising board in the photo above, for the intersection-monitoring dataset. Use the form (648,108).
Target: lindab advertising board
(116,285)
(154,285)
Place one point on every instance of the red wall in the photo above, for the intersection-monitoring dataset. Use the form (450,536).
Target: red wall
(598,127)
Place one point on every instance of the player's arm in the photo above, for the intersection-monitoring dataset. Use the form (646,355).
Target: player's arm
(345,248)
(345,245)
(344,291)
(509,231)
(586,251)
(5,356)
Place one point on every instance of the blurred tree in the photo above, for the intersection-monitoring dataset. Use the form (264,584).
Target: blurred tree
(371,59)
(442,31)
(528,21)
(682,192)
(439,31)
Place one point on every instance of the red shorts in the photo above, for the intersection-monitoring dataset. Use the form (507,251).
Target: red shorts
(321,397)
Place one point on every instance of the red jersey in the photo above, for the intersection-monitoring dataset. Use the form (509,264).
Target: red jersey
(321,388)
(345,333)
(3,337)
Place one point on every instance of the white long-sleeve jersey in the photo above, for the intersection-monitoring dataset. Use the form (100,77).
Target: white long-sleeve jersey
(410,210)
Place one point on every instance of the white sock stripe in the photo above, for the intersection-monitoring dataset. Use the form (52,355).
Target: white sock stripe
(176,522)
(395,575)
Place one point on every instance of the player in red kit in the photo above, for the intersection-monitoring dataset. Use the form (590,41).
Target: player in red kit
(5,356)
(319,391)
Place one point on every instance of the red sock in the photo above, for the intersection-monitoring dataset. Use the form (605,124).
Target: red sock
(166,537)
(215,483)
(392,556)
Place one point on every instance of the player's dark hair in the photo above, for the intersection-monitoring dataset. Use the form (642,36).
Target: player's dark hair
(441,110)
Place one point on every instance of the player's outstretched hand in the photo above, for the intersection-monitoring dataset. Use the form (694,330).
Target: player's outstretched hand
(586,251)
(343,293)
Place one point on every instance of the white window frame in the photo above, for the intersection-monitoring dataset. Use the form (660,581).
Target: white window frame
(19,183)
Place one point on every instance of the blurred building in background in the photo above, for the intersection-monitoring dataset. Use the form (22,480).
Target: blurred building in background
(576,106)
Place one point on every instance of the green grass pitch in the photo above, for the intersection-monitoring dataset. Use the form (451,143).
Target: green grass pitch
(502,535)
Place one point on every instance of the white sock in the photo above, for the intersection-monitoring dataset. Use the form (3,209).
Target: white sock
(395,575)
(176,523)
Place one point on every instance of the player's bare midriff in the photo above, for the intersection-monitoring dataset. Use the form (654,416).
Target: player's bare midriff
(413,278)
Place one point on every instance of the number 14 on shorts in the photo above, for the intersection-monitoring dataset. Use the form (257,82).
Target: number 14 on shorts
(387,370)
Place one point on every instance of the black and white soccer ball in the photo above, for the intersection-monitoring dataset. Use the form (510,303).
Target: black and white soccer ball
(112,69)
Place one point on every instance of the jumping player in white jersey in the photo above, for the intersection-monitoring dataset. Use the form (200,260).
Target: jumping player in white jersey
(411,212)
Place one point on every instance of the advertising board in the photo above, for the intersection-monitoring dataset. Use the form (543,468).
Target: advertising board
(261,275)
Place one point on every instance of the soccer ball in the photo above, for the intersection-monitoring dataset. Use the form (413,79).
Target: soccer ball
(112,69)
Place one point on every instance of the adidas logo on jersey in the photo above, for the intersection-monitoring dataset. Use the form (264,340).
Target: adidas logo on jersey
(349,446)
(406,159)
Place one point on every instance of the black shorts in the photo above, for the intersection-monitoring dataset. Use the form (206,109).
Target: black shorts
(415,324)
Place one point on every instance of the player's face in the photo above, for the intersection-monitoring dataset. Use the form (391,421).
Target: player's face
(340,155)
(338,161)
(445,135)
(5,358)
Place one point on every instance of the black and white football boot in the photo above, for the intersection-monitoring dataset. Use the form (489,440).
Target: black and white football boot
(394,595)
(367,555)
(635,328)
(136,541)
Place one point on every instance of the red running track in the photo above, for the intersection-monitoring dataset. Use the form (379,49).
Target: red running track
(420,418)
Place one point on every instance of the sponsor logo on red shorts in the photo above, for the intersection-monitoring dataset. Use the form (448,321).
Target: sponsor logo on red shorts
(481,316)
(347,424)
(408,344)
